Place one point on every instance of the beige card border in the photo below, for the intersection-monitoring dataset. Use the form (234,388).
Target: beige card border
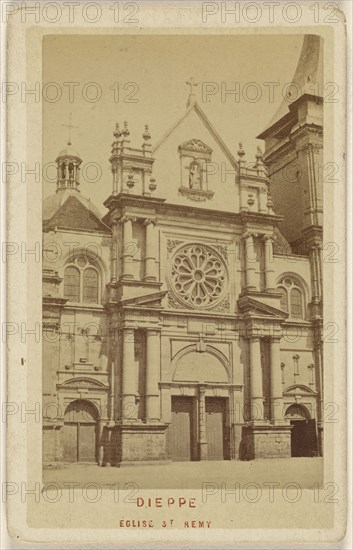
(24,461)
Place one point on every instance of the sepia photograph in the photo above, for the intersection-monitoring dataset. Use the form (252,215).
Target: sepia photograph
(182,290)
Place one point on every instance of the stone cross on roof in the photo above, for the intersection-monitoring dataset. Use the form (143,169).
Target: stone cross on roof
(69,126)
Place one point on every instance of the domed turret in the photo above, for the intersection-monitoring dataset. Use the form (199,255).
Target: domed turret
(67,184)
(68,175)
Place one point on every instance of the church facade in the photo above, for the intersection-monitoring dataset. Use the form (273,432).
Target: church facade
(186,324)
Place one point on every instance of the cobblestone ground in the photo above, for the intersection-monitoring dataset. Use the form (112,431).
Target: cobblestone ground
(191,475)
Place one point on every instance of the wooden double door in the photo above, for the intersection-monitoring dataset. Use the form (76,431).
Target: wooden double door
(79,435)
(185,425)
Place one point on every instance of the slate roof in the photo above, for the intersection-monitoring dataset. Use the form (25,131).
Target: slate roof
(73,214)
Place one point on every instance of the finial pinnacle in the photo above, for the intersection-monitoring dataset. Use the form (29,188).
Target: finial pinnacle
(259,155)
(125,132)
(241,152)
(146,135)
(117,132)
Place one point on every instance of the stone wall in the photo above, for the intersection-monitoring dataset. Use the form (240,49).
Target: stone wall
(141,443)
(52,449)
(266,442)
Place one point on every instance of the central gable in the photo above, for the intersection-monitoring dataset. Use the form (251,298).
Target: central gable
(194,167)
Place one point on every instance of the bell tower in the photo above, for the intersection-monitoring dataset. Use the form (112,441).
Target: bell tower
(68,169)
(293,152)
(294,158)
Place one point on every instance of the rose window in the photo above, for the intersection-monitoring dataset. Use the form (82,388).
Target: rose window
(198,276)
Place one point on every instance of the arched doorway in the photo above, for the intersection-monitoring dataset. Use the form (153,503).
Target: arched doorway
(304,433)
(80,432)
(199,427)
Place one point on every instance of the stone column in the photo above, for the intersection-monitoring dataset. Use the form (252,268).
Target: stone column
(128,247)
(317,255)
(269,271)
(101,424)
(249,261)
(115,179)
(114,274)
(153,367)
(129,376)
(151,250)
(203,454)
(256,388)
(276,380)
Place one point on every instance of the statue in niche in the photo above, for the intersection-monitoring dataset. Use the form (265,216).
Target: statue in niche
(195,176)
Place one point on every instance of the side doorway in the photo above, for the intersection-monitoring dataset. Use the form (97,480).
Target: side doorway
(304,440)
(79,435)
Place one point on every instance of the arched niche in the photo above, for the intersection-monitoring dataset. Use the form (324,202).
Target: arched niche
(297,412)
(209,366)
(82,411)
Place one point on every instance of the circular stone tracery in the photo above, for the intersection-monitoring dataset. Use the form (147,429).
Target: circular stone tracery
(198,276)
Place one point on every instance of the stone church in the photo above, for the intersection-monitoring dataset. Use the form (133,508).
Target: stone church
(186,324)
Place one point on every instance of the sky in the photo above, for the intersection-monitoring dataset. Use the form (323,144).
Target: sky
(142,79)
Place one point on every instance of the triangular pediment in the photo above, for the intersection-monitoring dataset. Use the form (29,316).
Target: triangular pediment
(193,165)
(153,301)
(252,306)
(73,214)
(195,145)
(196,109)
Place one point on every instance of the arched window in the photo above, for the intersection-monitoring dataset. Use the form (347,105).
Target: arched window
(284,298)
(296,303)
(82,281)
(292,298)
(72,284)
(90,285)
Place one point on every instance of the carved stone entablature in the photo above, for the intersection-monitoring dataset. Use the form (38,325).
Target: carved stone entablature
(315,147)
(223,307)
(196,194)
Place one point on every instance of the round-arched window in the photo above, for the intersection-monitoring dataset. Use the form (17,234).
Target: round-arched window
(82,281)
(292,298)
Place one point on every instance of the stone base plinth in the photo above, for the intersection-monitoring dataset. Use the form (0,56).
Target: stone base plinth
(266,441)
(52,449)
(138,443)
